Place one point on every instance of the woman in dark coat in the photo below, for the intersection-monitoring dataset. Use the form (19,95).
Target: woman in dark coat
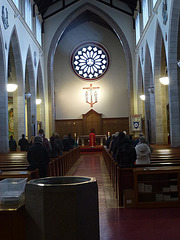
(126,154)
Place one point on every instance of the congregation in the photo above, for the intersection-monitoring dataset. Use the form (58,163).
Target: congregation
(125,150)
(128,152)
(40,149)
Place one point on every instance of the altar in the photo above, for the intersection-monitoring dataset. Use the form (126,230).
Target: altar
(84,140)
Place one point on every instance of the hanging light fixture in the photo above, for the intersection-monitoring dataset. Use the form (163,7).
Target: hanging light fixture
(11,87)
(142,97)
(151,89)
(38,101)
(164,80)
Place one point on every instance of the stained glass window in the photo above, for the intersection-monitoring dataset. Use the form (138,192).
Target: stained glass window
(28,13)
(38,30)
(90,61)
(145,12)
(137,28)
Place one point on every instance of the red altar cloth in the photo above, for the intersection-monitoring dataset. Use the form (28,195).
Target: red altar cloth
(92,140)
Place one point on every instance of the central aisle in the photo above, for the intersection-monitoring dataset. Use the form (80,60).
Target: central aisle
(125,224)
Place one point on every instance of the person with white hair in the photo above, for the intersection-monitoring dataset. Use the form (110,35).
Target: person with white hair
(143,152)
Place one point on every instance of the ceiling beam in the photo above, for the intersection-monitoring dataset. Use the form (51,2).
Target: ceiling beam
(117,8)
(61,9)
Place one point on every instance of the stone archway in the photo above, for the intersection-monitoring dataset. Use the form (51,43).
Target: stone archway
(4,140)
(160,101)
(56,38)
(18,95)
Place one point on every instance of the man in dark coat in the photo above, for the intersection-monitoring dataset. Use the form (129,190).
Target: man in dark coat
(23,143)
(38,157)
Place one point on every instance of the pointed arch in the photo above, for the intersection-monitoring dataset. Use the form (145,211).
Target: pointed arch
(18,95)
(4,140)
(57,36)
(160,101)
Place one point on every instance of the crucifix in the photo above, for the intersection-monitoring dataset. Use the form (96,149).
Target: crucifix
(93,95)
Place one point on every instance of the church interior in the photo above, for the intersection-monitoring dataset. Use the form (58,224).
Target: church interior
(97,67)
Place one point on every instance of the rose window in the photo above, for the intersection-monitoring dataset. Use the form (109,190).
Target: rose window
(90,61)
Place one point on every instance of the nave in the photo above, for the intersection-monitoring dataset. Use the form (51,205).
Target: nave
(122,223)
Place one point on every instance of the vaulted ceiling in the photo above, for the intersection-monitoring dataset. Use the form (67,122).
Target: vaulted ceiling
(44,5)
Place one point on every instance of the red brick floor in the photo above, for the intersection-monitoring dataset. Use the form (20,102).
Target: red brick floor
(126,224)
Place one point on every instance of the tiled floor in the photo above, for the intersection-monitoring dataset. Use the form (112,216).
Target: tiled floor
(126,224)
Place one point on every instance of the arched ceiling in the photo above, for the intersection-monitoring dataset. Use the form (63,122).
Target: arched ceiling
(44,5)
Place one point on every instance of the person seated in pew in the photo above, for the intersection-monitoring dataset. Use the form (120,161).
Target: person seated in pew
(38,157)
(126,154)
(143,152)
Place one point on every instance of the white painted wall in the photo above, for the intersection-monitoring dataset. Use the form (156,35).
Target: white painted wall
(149,34)
(69,93)
(25,36)
(69,97)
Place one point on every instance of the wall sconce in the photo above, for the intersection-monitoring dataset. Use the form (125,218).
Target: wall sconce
(38,101)
(27,95)
(178,63)
(142,97)
(11,87)
(164,80)
(151,89)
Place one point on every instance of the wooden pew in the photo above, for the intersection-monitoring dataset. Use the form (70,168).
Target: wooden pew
(19,174)
(123,178)
(13,221)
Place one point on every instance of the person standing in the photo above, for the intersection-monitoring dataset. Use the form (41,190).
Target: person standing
(23,143)
(46,143)
(92,139)
(12,144)
(70,140)
(126,154)
(38,157)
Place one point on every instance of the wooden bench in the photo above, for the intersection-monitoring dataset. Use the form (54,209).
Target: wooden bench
(123,178)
